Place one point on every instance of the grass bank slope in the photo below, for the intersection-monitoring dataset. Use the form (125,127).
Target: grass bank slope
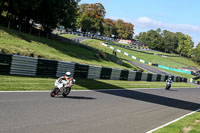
(174,62)
(14,42)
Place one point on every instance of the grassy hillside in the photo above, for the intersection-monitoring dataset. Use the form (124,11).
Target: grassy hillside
(14,42)
(167,61)
(175,62)
(68,36)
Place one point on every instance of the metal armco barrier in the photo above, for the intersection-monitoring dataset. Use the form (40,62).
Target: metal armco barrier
(5,63)
(131,75)
(105,73)
(47,67)
(23,65)
(94,72)
(81,71)
(149,77)
(138,76)
(158,77)
(115,75)
(145,76)
(64,67)
(29,66)
(124,75)
(162,77)
(154,77)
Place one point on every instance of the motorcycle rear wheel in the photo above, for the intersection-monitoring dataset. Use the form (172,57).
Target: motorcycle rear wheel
(68,90)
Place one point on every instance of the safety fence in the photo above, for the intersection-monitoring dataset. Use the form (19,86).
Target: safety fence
(146,62)
(29,66)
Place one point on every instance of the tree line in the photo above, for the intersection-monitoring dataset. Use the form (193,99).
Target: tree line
(51,13)
(170,42)
(48,13)
(91,19)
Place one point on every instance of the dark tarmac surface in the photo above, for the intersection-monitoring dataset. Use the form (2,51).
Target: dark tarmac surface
(150,68)
(122,111)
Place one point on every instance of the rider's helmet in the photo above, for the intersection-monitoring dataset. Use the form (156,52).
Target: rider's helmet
(170,78)
(68,74)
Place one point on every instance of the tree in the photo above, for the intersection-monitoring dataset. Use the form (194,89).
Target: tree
(170,43)
(185,45)
(196,54)
(124,30)
(91,17)
(167,41)
(69,13)
(109,27)
(129,31)
(120,28)
(48,13)
(155,40)
(2,6)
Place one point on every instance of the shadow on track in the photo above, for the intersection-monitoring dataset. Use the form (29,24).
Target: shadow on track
(172,90)
(77,97)
(146,97)
(81,97)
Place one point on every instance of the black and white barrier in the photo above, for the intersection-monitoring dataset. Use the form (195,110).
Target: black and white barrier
(115,75)
(29,66)
(94,72)
(63,67)
(23,65)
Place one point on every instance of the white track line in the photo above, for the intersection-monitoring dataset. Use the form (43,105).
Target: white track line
(173,121)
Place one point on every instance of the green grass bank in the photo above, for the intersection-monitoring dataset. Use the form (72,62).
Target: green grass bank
(21,83)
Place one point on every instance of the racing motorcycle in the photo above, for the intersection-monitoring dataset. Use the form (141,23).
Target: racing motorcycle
(62,87)
(168,86)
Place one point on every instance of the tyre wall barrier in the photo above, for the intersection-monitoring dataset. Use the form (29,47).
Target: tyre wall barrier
(5,63)
(63,67)
(46,67)
(29,66)
(23,64)
(94,72)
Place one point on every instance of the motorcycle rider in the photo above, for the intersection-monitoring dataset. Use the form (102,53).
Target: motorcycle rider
(67,77)
(168,82)
(63,85)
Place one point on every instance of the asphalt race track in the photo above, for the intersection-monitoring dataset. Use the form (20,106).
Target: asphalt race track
(122,111)
(150,68)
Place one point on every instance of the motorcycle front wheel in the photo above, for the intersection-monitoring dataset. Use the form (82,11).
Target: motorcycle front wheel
(67,91)
(53,92)
(167,87)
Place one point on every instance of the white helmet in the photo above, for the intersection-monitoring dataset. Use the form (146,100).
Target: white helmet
(68,74)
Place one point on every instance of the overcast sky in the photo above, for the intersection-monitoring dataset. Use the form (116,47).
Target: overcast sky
(173,15)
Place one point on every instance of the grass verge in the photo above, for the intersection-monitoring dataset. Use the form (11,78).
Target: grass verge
(189,124)
(21,83)
(69,36)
